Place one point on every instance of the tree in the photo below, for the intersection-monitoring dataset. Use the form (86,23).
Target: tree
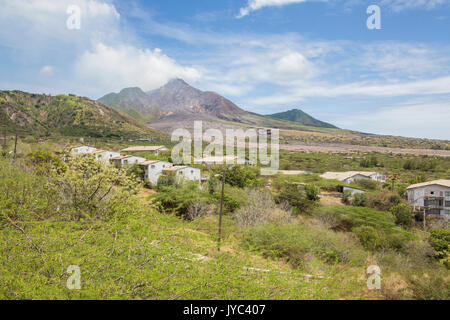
(88,188)
(403,214)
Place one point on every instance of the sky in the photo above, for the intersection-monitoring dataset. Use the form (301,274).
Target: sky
(266,56)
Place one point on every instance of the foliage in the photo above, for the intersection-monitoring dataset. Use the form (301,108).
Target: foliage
(384,200)
(404,215)
(296,242)
(177,200)
(261,208)
(241,176)
(360,200)
(44,162)
(90,189)
(165,180)
(440,241)
(376,229)
(347,196)
(296,197)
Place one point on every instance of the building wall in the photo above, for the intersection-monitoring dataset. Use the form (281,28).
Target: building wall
(153,171)
(191,174)
(106,156)
(416,197)
(82,150)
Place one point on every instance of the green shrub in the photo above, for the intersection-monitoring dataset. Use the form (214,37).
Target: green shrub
(347,197)
(296,197)
(241,176)
(384,200)
(297,243)
(360,200)
(171,199)
(404,215)
(440,241)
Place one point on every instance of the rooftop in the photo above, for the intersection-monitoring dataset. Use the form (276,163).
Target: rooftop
(143,148)
(444,183)
(346,175)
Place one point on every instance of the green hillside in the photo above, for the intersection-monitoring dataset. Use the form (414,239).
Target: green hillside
(134,102)
(296,115)
(66,115)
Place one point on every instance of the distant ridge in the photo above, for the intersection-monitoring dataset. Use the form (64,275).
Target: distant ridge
(298,116)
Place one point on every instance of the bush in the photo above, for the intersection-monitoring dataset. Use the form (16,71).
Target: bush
(384,200)
(367,184)
(88,188)
(296,197)
(404,215)
(375,229)
(44,162)
(440,241)
(241,176)
(165,181)
(297,243)
(261,209)
(233,198)
(360,200)
(178,200)
(347,197)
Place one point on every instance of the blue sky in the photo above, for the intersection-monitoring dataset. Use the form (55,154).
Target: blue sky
(265,55)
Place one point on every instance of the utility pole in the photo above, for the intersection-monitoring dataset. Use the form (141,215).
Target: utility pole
(221,208)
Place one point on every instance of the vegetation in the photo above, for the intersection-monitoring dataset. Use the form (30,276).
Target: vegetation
(280,240)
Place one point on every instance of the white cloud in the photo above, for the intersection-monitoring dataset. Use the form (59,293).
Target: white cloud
(259,4)
(400,5)
(114,68)
(293,95)
(47,71)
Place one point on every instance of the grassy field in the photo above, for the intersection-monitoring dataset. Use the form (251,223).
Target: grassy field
(277,243)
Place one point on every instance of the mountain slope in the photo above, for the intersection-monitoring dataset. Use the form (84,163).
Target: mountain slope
(298,116)
(176,99)
(67,115)
(134,102)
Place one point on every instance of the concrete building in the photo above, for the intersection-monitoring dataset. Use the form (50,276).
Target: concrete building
(153,149)
(214,160)
(431,197)
(184,173)
(75,151)
(122,161)
(351,176)
(105,155)
(153,169)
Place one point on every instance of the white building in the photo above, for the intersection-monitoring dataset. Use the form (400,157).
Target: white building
(153,169)
(153,149)
(351,176)
(184,173)
(433,197)
(121,161)
(105,155)
(75,151)
(213,160)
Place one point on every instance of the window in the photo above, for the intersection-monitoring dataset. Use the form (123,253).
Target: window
(153,166)
(432,192)
(192,171)
(447,193)
(447,204)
